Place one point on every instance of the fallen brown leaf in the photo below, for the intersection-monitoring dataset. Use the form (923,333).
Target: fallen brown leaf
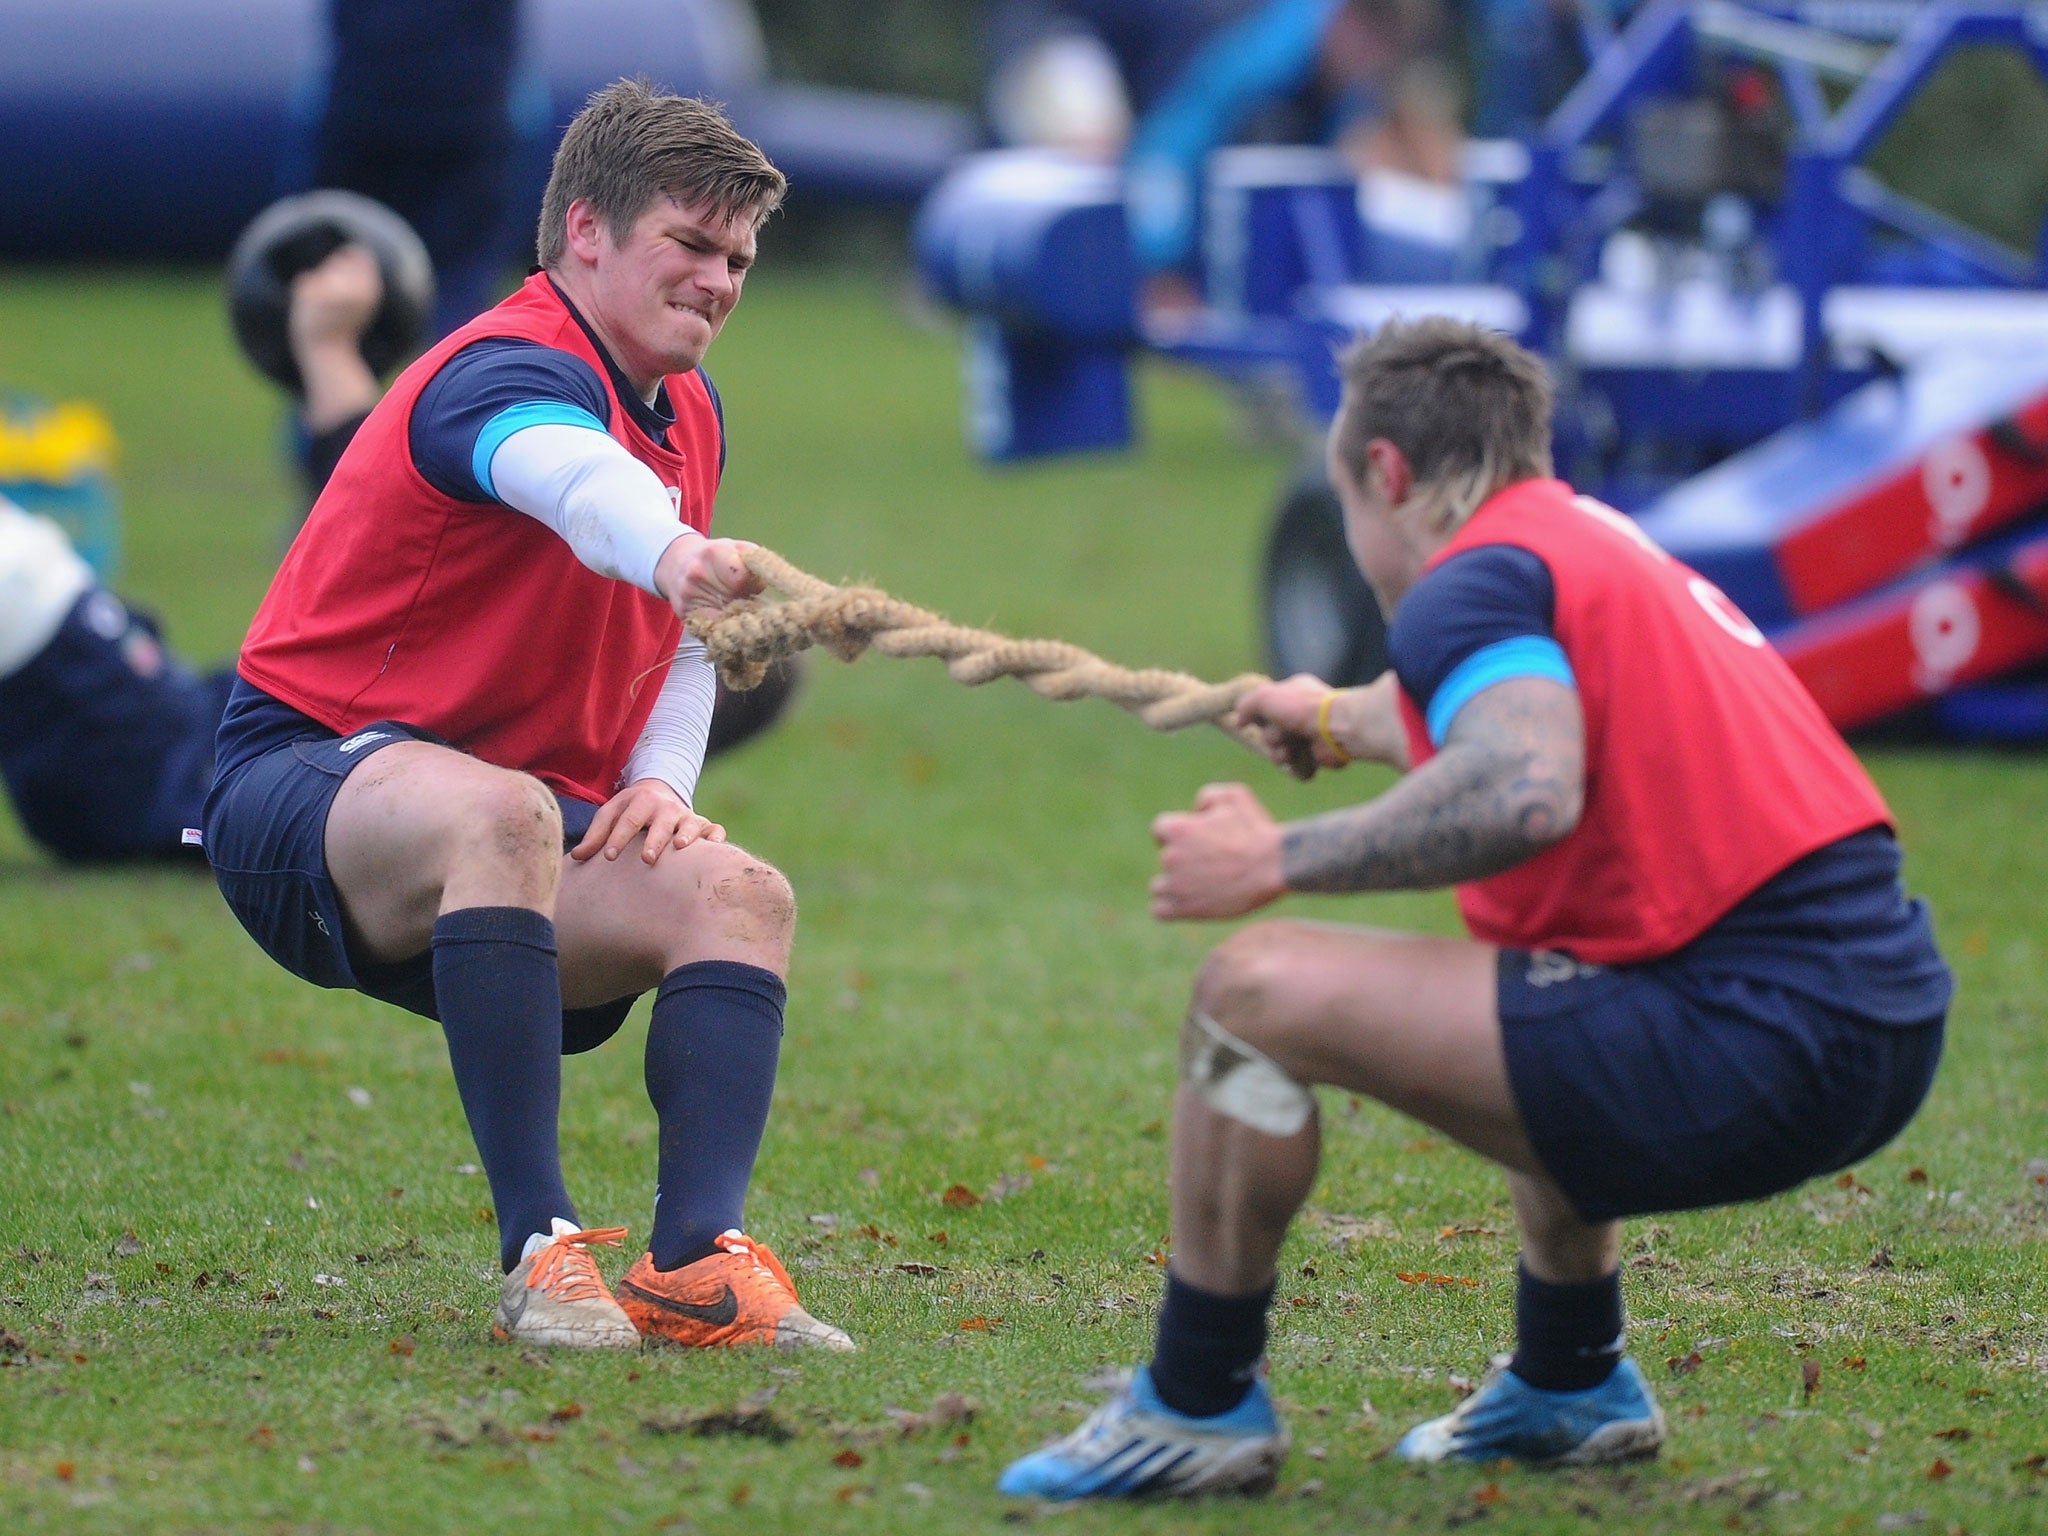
(1939,1470)
(959,1197)
(947,1409)
(747,1419)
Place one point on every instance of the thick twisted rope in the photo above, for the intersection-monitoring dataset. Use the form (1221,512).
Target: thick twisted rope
(751,633)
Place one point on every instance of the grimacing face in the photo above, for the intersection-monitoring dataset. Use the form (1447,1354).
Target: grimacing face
(659,296)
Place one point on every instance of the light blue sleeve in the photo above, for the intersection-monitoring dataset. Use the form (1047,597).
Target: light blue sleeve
(1521,656)
(528,413)
(1270,53)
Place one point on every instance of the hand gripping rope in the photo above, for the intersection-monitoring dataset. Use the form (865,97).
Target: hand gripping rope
(749,634)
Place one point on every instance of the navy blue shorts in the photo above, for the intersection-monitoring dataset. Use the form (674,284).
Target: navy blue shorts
(1669,1086)
(266,837)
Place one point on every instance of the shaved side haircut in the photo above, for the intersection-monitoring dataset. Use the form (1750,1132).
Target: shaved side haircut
(1468,407)
(632,143)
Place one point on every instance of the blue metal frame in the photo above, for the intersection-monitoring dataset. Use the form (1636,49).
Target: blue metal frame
(1050,270)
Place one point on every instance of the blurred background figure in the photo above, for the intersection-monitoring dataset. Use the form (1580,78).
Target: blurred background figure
(418,115)
(332,305)
(1075,74)
(1526,55)
(1367,76)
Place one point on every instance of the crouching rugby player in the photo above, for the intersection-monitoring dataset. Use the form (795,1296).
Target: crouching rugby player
(456,772)
(1693,977)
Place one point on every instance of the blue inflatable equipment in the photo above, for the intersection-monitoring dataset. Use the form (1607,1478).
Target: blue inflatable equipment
(160,128)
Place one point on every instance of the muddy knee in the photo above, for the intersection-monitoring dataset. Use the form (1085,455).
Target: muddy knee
(510,823)
(749,898)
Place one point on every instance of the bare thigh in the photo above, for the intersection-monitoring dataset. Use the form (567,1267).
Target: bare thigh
(625,924)
(1411,1019)
(420,829)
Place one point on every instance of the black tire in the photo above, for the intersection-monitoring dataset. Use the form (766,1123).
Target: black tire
(301,232)
(1321,617)
(739,717)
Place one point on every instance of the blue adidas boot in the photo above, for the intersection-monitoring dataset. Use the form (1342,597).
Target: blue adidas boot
(1616,1421)
(1135,1445)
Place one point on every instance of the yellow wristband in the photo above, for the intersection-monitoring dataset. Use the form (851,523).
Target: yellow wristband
(1323,728)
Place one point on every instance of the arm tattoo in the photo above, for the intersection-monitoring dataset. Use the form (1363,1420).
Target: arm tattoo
(1509,782)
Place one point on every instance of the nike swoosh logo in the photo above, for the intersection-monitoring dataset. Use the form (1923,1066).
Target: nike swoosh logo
(717,1313)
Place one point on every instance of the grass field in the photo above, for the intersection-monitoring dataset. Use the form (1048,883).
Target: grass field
(246,1269)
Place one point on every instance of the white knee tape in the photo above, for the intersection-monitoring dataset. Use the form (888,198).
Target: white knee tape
(1240,1081)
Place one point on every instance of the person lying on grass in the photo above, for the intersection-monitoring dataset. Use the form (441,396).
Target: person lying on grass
(1693,976)
(457,769)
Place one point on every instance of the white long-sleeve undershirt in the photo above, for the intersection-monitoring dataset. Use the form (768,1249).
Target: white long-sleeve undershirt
(613,511)
(617,517)
(671,745)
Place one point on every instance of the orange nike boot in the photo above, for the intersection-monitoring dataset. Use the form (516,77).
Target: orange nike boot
(739,1295)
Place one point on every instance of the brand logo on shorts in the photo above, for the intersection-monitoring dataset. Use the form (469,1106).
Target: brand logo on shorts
(318,921)
(1549,967)
(355,742)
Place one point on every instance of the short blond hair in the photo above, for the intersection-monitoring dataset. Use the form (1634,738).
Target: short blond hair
(1468,407)
(632,143)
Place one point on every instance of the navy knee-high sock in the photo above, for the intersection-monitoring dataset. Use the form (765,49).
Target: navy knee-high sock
(712,1049)
(1568,1338)
(1208,1347)
(500,996)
